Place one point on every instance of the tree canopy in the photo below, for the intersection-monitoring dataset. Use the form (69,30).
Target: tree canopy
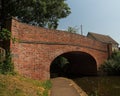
(45,13)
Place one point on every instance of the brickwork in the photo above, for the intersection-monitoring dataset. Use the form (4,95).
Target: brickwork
(37,47)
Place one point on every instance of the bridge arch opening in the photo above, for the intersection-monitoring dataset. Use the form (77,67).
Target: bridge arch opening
(73,64)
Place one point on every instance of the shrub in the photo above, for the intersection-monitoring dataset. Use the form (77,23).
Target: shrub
(112,65)
(7,67)
(5,34)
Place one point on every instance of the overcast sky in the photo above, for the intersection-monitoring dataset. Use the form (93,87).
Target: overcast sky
(99,16)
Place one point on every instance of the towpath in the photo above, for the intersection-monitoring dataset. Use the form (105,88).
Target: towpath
(65,87)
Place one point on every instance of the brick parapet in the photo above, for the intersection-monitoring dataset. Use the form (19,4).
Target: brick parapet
(33,34)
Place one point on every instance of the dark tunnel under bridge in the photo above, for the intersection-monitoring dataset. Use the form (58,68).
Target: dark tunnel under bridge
(73,64)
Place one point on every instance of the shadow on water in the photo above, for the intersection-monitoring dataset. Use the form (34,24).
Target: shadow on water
(100,86)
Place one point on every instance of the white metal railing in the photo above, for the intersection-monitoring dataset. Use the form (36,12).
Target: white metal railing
(2,54)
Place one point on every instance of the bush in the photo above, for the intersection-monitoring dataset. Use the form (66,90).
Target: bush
(7,67)
(112,65)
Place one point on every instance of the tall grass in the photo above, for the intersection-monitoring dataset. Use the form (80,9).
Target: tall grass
(19,86)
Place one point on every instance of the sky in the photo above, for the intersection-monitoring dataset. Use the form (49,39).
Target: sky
(98,16)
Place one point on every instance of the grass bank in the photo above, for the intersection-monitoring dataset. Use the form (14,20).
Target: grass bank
(20,86)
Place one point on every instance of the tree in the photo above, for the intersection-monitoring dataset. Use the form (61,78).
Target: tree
(45,13)
(58,64)
(72,29)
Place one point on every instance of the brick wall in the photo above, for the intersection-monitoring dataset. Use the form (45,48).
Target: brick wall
(37,47)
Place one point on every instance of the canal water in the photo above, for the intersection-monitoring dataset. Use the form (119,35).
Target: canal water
(100,86)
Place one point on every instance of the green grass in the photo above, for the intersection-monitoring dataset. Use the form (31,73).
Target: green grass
(20,86)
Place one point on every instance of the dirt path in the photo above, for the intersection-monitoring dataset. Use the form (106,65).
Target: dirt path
(65,87)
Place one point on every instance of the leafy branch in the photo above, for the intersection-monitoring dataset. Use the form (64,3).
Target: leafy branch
(5,34)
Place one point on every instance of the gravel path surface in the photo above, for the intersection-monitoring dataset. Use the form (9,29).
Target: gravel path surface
(65,87)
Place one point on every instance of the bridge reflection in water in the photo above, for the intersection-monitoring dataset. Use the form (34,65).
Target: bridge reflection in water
(73,64)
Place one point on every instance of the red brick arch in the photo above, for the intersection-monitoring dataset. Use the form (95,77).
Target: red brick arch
(91,52)
(67,52)
(37,47)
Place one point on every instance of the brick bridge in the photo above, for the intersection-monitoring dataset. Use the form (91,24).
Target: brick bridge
(38,47)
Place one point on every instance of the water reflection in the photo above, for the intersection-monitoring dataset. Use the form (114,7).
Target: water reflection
(100,86)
